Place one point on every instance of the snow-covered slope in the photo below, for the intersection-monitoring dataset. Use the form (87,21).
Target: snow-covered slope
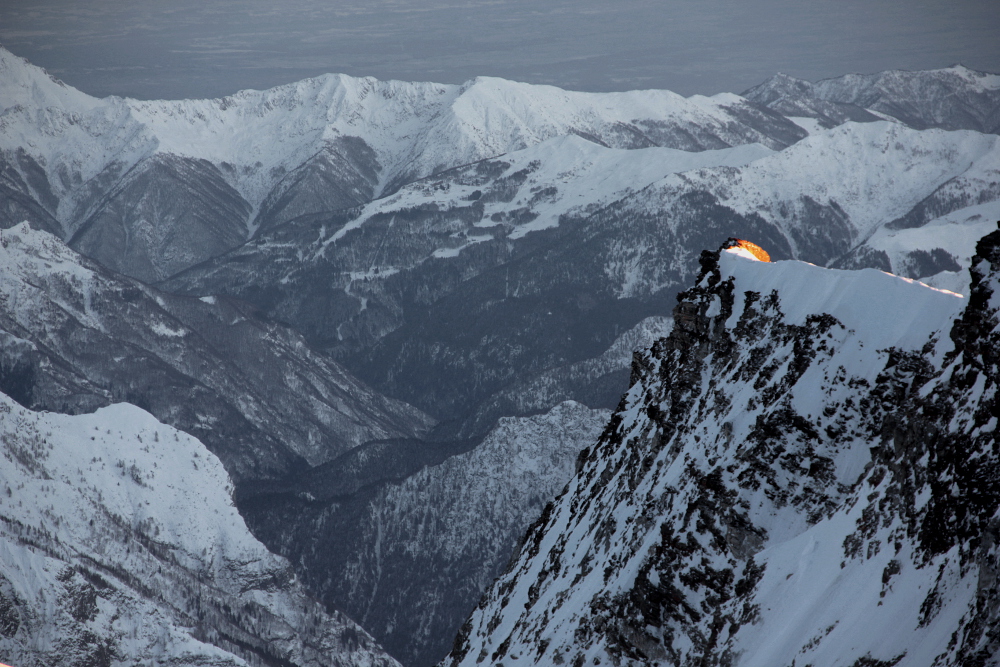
(938,251)
(439,217)
(953,98)
(834,189)
(804,471)
(120,544)
(798,100)
(533,188)
(495,289)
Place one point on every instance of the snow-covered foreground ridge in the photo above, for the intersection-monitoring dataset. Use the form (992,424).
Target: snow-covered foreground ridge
(120,544)
(806,471)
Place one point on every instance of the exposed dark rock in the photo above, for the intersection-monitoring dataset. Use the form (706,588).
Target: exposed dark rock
(681,576)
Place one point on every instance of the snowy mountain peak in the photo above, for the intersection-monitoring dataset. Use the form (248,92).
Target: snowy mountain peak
(778,86)
(22,83)
(951,98)
(748,249)
(263,158)
(881,309)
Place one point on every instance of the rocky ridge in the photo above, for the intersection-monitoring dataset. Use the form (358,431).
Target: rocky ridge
(805,471)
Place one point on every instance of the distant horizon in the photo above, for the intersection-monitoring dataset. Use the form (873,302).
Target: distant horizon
(212,48)
(358,76)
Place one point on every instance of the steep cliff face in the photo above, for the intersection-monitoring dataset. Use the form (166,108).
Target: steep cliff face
(120,544)
(806,471)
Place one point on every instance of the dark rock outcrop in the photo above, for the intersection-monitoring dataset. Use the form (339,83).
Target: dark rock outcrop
(757,476)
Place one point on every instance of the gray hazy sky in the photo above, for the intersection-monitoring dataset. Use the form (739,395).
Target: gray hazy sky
(208,48)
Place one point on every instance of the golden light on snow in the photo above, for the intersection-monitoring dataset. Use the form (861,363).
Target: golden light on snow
(758,253)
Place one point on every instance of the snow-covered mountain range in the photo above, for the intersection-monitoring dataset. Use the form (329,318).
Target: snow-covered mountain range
(495,289)
(150,188)
(805,471)
(395,311)
(460,285)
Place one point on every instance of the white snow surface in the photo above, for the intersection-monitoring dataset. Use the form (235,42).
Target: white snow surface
(957,233)
(145,508)
(881,309)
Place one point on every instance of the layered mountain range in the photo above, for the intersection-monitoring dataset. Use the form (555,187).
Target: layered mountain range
(396,311)
(153,187)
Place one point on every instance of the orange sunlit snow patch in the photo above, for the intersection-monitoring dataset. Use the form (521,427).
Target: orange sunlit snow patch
(751,248)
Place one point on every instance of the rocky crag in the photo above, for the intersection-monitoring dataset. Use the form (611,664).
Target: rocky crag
(805,471)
